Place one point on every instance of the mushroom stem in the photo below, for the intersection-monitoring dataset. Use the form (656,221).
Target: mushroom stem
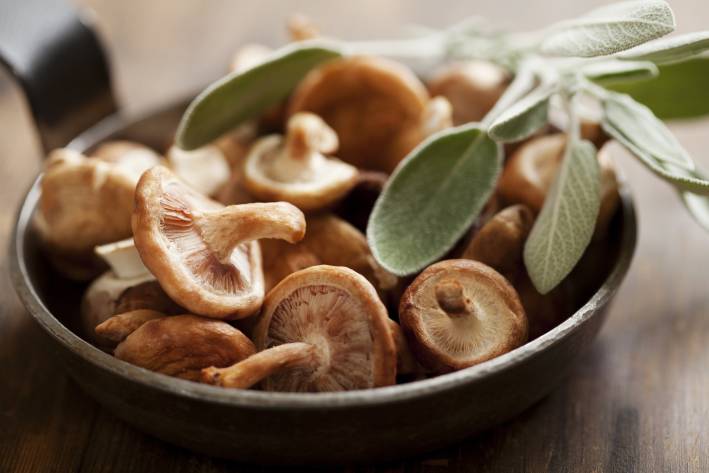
(308,135)
(450,297)
(227,228)
(260,366)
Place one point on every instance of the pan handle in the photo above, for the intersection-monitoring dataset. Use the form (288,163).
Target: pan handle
(59,64)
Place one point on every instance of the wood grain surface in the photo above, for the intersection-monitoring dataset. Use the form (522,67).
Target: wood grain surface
(638,400)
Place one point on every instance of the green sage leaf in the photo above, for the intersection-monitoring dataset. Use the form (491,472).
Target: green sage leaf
(668,50)
(566,222)
(610,29)
(698,207)
(244,95)
(523,118)
(679,91)
(433,197)
(613,72)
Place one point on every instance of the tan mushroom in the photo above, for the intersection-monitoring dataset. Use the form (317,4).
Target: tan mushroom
(406,363)
(128,154)
(119,326)
(182,345)
(301,28)
(530,172)
(329,240)
(205,169)
(206,256)
(295,169)
(377,107)
(321,329)
(471,87)
(499,243)
(458,313)
(86,202)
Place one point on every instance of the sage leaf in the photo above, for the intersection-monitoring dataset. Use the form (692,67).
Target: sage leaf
(668,50)
(612,71)
(698,207)
(680,91)
(243,95)
(610,29)
(525,117)
(566,222)
(433,197)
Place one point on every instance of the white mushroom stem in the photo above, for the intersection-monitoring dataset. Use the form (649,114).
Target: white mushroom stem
(123,259)
(309,135)
(261,365)
(450,297)
(225,229)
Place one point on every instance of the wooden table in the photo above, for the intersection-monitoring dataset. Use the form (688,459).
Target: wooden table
(637,401)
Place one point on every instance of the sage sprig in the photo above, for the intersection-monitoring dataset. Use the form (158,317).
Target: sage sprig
(614,54)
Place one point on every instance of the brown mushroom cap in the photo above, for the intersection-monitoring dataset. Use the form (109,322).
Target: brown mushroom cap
(295,169)
(500,242)
(86,202)
(369,102)
(530,172)
(118,327)
(321,329)
(458,313)
(182,345)
(471,87)
(205,255)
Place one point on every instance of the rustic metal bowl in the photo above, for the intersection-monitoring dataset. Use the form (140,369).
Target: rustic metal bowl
(289,428)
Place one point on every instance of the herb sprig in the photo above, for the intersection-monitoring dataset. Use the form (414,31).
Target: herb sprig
(610,55)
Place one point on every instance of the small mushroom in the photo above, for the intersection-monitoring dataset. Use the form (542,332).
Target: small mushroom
(86,202)
(182,345)
(499,243)
(332,241)
(205,169)
(134,158)
(530,172)
(295,169)
(321,329)
(471,87)
(301,28)
(373,104)
(206,256)
(458,313)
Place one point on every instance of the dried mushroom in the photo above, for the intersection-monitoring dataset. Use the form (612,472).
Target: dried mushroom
(471,87)
(86,202)
(499,243)
(205,169)
(321,329)
(530,172)
(205,255)
(182,345)
(119,326)
(329,240)
(295,169)
(373,104)
(458,313)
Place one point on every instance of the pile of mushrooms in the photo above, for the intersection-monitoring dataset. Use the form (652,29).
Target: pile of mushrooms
(244,264)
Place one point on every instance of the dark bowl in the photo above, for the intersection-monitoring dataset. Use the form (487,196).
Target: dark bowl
(288,428)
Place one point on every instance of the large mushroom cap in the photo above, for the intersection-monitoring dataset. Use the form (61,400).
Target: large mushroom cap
(86,202)
(295,169)
(458,313)
(205,255)
(369,102)
(321,329)
(182,345)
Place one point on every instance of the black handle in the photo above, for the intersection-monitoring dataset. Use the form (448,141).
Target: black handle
(60,65)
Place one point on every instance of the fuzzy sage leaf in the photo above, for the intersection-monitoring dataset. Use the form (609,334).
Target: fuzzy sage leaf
(433,197)
(698,207)
(610,29)
(613,72)
(524,118)
(244,95)
(668,50)
(566,222)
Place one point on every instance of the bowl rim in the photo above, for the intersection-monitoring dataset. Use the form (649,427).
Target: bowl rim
(286,401)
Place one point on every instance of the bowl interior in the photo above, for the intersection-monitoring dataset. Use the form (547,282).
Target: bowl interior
(52,298)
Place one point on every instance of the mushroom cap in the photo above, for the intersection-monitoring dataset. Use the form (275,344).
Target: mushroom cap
(458,313)
(86,202)
(133,158)
(369,102)
(338,312)
(295,169)
(182,345)
(172,245)
(205,169)
(500,241)
(471,87)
